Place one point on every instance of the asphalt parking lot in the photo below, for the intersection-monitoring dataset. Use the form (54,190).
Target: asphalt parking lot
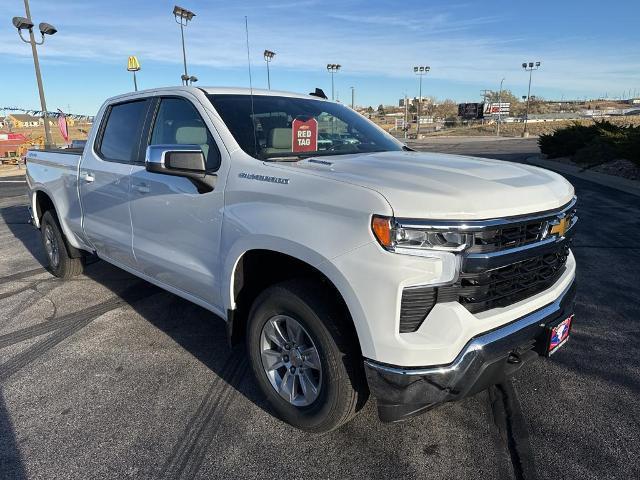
(106,376)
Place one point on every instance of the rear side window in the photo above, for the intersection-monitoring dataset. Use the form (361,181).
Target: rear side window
(179,123)
(121,134)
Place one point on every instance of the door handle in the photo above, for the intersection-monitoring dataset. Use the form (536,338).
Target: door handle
(142,187)
(87,177)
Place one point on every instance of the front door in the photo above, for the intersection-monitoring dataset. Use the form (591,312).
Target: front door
(176,230)
(105,181)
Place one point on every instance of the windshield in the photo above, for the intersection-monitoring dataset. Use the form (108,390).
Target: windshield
(298,127)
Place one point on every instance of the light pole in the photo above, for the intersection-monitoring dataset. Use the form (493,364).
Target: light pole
(268,56)
(183,17)
(22,23)
(499,108)
(353,97)
(406,115)
(420,71)
(333,68)
(530,67)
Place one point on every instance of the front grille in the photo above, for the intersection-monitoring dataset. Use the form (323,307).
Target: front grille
(508,237)
(503,286)
(514,235)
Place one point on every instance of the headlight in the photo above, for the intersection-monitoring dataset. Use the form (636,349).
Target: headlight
(391,235)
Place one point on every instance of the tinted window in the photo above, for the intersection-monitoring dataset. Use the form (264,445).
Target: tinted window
(122,131)
(263,126)
(179,123)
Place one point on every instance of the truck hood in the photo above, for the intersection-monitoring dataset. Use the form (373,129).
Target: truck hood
(442,186)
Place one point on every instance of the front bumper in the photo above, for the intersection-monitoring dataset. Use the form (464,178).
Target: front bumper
(486,360)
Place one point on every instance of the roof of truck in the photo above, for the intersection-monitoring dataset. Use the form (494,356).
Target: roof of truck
(247,91)
(218,91)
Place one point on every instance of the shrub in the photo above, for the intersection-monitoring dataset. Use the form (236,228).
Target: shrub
(593,144)
(567,141)
(629,147)
(598,150)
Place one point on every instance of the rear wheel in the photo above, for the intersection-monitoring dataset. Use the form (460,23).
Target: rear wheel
(304,358)
(60,263)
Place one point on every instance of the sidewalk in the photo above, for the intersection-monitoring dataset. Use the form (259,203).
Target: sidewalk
(12,170)
(611,181)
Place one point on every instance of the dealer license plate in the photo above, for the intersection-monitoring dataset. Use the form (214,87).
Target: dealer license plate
(558,335)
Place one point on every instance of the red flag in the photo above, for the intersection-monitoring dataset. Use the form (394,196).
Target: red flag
(62,125)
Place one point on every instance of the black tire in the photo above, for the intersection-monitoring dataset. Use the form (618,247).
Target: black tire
(343,390)
(61,264)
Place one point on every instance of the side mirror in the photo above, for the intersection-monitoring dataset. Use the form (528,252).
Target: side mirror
(180,161)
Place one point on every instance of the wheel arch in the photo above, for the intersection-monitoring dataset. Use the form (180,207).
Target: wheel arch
(43,202)
(254,269)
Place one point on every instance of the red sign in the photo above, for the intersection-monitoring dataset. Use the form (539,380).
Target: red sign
(305,135)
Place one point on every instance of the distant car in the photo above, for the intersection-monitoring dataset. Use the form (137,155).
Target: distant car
(348,139)
(78,144)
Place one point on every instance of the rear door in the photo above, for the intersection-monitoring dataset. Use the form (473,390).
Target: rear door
(105,180)
(176,230)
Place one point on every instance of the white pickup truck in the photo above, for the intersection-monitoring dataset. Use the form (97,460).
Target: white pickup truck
(350,264)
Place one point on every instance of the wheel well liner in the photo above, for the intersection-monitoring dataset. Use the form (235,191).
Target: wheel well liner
(43,203)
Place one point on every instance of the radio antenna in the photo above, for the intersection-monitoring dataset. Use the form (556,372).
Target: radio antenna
(253,113)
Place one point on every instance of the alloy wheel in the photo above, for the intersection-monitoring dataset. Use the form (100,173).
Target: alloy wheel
(290,360)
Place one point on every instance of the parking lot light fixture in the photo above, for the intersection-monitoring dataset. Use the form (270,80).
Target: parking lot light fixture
(333,68)
(530,67)
(268,57)
(183,17)
(421,71)
(25,23)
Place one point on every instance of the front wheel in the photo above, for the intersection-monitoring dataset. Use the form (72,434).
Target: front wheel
(61,264)
(304,357)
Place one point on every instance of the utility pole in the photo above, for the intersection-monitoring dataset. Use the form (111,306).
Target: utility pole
(353,102)
(22,23)
(485,94)
(499,109)
(530,67)
(420,71)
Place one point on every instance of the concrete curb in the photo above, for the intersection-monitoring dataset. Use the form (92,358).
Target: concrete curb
(623,184)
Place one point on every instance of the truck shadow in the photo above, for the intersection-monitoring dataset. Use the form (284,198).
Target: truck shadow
(195,329)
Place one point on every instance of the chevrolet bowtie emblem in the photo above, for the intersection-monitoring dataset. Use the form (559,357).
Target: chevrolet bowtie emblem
(560,228)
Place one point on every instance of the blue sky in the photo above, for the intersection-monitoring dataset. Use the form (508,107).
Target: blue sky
(587,47)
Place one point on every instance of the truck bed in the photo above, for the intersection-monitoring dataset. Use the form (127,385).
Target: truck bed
(54,172)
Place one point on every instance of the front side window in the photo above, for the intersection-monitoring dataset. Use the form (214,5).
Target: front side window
(122,131)
(179,123)
(270,127)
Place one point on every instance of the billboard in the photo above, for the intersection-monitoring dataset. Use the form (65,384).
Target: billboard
(495,109)
(476,111)
(470,111)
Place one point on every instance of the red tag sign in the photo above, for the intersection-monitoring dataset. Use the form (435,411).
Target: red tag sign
(305,135)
